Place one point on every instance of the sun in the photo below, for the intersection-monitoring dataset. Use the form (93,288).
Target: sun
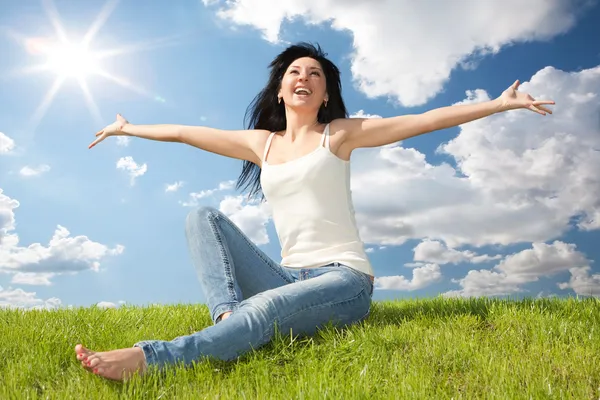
(72,61)
(71,58)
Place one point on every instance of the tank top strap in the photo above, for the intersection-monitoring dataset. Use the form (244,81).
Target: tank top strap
(267,146)
(325,138)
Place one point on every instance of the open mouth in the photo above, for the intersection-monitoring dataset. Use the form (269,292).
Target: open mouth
(302,92)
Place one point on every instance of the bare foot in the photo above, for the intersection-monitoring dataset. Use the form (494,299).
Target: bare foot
(116,365)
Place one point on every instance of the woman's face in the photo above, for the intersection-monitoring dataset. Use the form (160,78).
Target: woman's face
(303,84)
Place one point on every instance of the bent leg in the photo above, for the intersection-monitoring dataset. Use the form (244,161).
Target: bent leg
(336,295)
(230,267)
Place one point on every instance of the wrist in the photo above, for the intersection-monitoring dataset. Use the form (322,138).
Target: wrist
(126,130)
(499,105)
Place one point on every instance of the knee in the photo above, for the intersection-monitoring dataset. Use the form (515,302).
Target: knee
(200,217)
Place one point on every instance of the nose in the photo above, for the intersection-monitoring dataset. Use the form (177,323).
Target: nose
(302,76)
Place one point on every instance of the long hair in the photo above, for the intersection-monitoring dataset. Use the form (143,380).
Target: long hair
(264,112)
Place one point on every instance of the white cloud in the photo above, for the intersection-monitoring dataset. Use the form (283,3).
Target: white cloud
(508,277)
(18,298)
(582,282)
(520,177)
(251,218)
(362,114)
(64,253)
(6,144)
(402,48)
(36,263)
(422,277)
(134,170)
(474,96)
(106,304)
(28,171)
(123,141)
(32,278)
(194,197)
(436,252)
(7,215)
(173,187)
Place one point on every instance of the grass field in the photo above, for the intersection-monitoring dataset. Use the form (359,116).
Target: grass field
(433,348)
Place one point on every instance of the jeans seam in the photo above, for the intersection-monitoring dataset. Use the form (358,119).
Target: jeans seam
(269,332)
(250,245)
(225,258)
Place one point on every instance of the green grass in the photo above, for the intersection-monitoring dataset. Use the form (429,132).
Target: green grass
(434,348)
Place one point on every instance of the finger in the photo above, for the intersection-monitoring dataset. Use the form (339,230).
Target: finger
(95,142)
(535,109)
(100,132)
(545,109)
(516,84)
(538,102)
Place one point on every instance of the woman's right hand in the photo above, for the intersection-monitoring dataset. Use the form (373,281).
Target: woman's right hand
(114,129)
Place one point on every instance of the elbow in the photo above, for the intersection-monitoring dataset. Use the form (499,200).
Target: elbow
(178,135)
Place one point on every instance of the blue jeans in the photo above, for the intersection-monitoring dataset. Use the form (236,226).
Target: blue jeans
(263,296)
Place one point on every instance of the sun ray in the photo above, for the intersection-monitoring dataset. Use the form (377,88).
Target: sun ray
(126,84)
(74,59)
(90,101)
(144,46)
(43,107)
(54,17)
(105,13)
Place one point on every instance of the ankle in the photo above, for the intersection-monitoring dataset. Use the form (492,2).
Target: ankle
(223,316)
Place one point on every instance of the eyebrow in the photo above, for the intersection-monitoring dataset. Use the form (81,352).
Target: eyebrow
(297,66)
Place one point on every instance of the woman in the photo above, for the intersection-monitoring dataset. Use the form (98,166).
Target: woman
(296,154)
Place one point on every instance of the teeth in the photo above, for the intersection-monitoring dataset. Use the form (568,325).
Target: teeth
(302,90)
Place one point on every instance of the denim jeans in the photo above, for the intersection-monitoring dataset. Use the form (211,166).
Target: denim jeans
(263,296)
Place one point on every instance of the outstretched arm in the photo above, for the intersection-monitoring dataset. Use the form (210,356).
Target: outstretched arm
(242,144)
(381,131)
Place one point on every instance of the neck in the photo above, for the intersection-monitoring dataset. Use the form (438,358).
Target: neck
(299,124)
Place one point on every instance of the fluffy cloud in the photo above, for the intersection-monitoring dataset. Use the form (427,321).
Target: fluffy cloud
(134,170)
(64,253)
(422,277)
(582,282)
(6,144)
(508,277)
(106,304)
(519,177)
(173,187)
(362,114)
(123,141)
(18,298)
(32,278)
(7,215)
(28,171)
(251,218)
(36,263)
(194,197)
(437,252)
(402,49)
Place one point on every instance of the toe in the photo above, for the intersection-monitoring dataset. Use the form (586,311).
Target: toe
(80,349)
(94,362)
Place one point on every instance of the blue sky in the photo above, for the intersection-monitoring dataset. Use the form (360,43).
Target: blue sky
(504,206)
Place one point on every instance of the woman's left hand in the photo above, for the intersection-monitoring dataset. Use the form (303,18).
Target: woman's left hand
(512,99)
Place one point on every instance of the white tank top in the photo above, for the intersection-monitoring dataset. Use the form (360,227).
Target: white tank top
(312,209)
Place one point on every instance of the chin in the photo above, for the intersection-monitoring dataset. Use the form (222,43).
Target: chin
(302,106)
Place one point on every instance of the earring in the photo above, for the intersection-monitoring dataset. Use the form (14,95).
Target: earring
(326,103)
(278,100)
